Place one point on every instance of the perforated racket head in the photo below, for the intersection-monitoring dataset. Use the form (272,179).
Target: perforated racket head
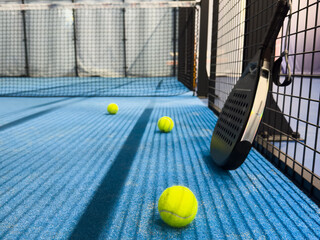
(227,149)
(242,112)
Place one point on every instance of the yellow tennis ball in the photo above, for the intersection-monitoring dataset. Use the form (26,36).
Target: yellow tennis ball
(177,206)
(165,124)
(113,108)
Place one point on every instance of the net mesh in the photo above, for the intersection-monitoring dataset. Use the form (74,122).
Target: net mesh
(96,49)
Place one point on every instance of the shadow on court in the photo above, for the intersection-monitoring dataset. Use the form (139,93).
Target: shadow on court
(97,213)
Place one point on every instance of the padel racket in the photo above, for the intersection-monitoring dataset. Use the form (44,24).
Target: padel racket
(242,112)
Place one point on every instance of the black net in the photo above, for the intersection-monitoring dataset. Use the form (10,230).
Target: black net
(187,47)
(97,49)
(289,133)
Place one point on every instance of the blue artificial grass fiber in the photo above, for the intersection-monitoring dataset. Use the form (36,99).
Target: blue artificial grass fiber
(69,170)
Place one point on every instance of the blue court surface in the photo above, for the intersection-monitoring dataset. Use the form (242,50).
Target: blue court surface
(69,170)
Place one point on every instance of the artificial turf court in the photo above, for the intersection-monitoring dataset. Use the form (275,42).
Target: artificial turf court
(70,170)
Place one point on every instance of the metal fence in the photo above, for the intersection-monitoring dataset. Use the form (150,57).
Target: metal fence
(289,133)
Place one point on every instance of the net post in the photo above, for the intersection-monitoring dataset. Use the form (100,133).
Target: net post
(75,41)
(125,68)
(25,41)
(174,40)
(202,86)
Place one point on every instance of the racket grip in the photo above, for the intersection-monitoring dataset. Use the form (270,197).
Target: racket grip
(279,15)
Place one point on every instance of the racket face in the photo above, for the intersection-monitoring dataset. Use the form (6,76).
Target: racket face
(234,116)
(241,115)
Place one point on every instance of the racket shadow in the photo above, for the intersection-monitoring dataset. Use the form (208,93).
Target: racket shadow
(214,169)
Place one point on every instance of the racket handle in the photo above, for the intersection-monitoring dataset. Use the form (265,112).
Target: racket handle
(279,15)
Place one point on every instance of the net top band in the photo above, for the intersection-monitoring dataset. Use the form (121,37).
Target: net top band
(90,5)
